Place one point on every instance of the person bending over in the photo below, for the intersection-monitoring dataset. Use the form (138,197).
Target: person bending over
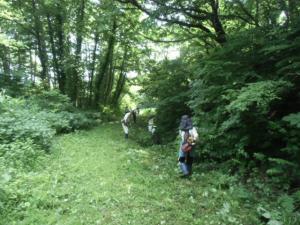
(125,123)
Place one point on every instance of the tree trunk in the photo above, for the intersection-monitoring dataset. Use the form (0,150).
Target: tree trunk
(216,23)
(42,51)
(32,75)
(121,80)
(79,38)
(53,49)
(61,53)
(92,72)
(105,64)
(4,54)
(109,83)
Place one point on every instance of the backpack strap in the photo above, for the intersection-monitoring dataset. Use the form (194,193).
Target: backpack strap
(186,136)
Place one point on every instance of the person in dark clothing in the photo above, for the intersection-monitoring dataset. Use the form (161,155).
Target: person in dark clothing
(188,136)
(134,116)
(126,110)
(135,112)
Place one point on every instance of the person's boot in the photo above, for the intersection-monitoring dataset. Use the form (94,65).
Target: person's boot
(126,136)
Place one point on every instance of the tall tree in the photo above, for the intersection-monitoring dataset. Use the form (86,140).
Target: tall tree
(105,63)
(40,41)
(92,67)
(53,47)
(121,80)
(79,38)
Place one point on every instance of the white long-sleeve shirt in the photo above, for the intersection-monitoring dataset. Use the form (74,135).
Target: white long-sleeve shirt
(126,117)
(151,126)
(193,132)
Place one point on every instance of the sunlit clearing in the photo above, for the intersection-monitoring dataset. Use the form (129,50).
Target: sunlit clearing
(282,18)
(160,53)
(172,53)
(95,1)
(143,16)
(131,74)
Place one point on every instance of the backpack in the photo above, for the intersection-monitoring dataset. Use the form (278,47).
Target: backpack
(187,145)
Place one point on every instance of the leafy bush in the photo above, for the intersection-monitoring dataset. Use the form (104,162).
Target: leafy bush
(167,89)
(60,122)
(51,101)
(27,127)
(80,121)
(38,119)
(20,154)
(259,95)
(18,122)
(246,102)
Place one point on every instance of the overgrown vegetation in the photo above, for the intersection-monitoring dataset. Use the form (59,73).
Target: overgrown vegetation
(246,101)
(242,93)
(237,75)
(27,128)
(151,191)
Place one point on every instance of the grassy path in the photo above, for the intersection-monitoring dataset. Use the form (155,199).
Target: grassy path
(97,177)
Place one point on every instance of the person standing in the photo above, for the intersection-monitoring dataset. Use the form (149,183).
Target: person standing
(151,126)
(127,109)
(188,137)
(125,123)
(135,112)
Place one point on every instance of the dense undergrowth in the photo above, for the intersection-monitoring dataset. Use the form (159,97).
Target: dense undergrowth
(271,202)
(244,99)
(27,127)
(86,182)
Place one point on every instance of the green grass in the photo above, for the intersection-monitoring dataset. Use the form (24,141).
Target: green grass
(98,177)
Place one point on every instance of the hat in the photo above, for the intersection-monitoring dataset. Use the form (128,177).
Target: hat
(185,123)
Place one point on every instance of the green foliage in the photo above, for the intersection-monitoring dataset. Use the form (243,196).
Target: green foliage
(167,89)
(293,120)
(34,122)
(27,129)
(139,131)
(246,102)
(238,74)
(19,122)
(259,95)
(20,154)
(79,121)
(52,101)
(150,183)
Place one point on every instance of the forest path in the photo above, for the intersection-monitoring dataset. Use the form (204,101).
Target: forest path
(98,177)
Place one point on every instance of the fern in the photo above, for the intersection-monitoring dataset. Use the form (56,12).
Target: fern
(293,119)
(259,95)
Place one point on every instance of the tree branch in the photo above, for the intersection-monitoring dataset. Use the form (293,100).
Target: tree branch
(166,41)
(169,20)
(17,22)
(247,13)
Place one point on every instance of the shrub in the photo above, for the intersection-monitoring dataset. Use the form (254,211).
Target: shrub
(245,99)
(168,90)
(80,121)
(20,154)
(27,127)
(17,122)
(51,101)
